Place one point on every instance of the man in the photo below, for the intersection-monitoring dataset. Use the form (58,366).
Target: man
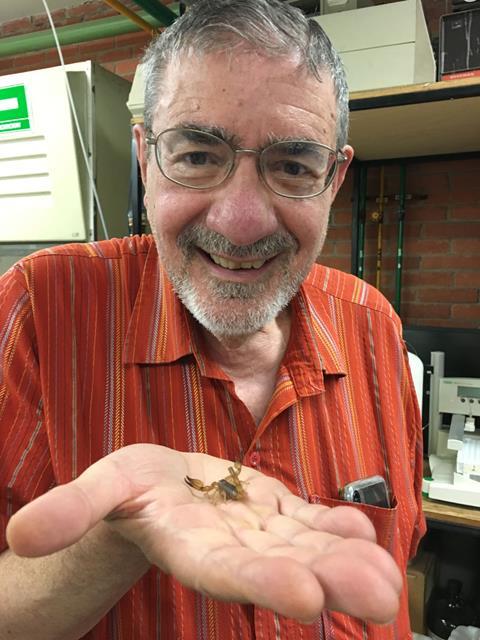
(133,399)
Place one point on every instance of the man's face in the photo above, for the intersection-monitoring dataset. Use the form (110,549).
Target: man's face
(237,253)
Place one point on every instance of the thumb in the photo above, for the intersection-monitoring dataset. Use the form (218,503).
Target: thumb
(62,516)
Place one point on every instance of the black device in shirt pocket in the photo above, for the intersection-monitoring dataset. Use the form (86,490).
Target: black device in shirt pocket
(372,490)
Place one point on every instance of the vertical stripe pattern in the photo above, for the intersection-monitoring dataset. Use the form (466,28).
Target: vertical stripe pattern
(96,352)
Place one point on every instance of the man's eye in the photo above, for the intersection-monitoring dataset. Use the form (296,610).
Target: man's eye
(294,169)
(290,168)
(198,159)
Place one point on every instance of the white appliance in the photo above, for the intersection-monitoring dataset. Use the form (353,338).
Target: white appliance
(454,440)
(382,46)
(46,195)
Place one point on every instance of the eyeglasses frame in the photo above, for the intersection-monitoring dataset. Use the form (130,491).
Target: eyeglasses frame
(340,157)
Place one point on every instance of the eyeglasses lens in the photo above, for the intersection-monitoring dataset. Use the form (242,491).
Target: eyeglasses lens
(297,168)
(193,158)
(201,160)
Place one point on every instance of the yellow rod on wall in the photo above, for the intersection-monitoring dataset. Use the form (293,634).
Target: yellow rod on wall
(118,6)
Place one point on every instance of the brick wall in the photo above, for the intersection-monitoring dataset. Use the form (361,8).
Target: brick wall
(441,250)
(119,54)
(441,276)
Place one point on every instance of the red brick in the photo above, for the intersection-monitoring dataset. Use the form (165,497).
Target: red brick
(467,279)
(343,248)
(343,264)
(6,65)
(421,213)
(341,216)
(451,262)
(126,67)
(466,246)
(439,322)
(41,22)
(14,27)
(452,229)
(426,246)
(417,310)
(412,230)
(433,11)
(90,10)
(59,17)
(328,249)
(428,279)
(339,233)
(114,55)
(109,66)
(407,294)
(465,184)
(36,60)
(464,213)
(138,51)
(466,312)
(139,38)
(451,165)
(435,186)
(450,294)
(101,45)
(409,262)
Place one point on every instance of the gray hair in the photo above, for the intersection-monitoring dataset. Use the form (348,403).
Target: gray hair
(271,27)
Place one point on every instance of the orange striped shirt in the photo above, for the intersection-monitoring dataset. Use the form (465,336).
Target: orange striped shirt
(96,352)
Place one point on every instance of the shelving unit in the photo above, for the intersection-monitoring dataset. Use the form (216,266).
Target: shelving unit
(406,124)
(433,119)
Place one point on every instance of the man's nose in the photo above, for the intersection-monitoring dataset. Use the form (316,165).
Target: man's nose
(242,207)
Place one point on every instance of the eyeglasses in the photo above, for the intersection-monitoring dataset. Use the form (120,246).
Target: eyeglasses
(200,160)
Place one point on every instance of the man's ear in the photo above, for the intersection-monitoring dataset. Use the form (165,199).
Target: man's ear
(139,134)
(342,170)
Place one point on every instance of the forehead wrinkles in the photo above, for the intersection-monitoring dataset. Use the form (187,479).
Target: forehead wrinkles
(207,92)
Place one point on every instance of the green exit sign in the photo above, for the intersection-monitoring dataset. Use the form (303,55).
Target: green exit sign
(13,109)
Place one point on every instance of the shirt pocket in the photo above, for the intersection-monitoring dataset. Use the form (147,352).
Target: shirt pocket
(385,521)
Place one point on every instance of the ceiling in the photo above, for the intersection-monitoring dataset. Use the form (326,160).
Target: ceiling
(21,8)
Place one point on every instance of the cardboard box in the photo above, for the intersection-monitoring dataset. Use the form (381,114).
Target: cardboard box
(420,581)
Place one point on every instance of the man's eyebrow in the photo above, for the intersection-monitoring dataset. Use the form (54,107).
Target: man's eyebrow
(272,139)
(214,130)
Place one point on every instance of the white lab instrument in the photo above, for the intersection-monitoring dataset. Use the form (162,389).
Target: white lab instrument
(453,444)
(46,195)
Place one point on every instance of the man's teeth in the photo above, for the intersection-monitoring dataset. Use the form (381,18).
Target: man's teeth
(230,264)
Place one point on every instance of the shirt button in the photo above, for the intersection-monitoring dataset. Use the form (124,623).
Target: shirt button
(254,458)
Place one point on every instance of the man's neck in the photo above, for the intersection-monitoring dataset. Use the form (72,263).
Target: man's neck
(252,361)
(243,355)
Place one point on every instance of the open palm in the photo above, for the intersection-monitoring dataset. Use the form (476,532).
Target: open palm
(250,551)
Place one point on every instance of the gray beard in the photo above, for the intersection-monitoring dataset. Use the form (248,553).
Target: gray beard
(254,307)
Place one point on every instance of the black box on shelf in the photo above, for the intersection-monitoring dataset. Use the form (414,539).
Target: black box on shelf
(459,47)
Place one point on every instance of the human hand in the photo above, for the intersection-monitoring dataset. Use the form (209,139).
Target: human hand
(248,551)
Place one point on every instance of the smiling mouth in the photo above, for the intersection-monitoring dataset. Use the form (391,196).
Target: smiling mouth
(235,265)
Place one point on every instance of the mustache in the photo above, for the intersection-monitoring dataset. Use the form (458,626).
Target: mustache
(210,241)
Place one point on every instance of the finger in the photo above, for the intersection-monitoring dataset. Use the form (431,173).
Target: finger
(268,544)
(62,516)
(356,576)
(360,579)
(346,522)
(227,571)
(298,535)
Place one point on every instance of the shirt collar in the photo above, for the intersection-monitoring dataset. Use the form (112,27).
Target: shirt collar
(314,345)
(161,330)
